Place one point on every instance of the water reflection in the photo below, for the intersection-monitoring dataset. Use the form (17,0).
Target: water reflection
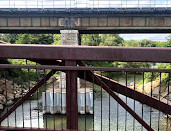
(58,121)
(117,117)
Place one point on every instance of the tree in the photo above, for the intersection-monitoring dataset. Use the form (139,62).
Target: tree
(90,39)
(132,43)
(111,40)
(56,39)
(168,44)
(10,38)
(34,39)
(133,64)
(147,43)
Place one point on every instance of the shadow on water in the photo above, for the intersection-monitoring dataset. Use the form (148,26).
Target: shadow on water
(58,121)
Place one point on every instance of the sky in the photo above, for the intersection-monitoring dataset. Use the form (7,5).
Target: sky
(83,3)
(154,37)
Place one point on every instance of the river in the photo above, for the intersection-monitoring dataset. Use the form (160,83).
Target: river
(118,116)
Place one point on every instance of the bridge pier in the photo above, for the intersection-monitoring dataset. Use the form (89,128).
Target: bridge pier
(68,37)
(70,98)
(70,81)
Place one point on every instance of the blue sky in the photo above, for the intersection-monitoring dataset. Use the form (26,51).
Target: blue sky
(154,37)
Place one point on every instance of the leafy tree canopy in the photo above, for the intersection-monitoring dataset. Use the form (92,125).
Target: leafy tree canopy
(10,38)
(34,39)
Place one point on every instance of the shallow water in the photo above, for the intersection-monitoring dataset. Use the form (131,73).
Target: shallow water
(119,119)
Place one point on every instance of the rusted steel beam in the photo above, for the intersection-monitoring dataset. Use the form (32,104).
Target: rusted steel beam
(136,95)
(79,68)
(115,86)
(122,103)
(97,80)
(49,62)
(27,95)
(71,97)
(86,53)
(33,129)
(27,129)
(126,91)
(2,42)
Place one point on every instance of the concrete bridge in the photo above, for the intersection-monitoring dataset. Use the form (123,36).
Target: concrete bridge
(86,20)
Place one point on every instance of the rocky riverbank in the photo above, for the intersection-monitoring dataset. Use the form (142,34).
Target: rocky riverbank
(155,87)
(9,92)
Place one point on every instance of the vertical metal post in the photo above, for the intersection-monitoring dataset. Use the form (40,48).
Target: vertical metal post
(71,97)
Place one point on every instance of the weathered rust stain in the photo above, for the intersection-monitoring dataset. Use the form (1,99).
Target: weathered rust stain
(53,22)
(125,21)
(153,21)
(113,21)
(93,21)
(138,21)
(44,22)
(85,22)
(3,22)
(161,21)
(25,22)
(13,22)
(35,21)
(102,21)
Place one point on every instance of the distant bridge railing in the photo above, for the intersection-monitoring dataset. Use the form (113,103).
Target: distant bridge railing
(84,3)
(117,104)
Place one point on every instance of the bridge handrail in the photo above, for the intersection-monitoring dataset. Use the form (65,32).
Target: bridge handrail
(87,53)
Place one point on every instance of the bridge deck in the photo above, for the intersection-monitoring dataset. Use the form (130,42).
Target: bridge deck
(86,20)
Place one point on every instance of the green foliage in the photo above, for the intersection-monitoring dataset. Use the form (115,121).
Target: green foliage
(34,39)
(56,39)
(168,44)
(23,75)
(90,39)
(147,43)
(144,43)
(99,63)
(86,40)
(153,76)
(20,76)
(133,43)
(111,40)
(132,64)
(10,38)
(101,40)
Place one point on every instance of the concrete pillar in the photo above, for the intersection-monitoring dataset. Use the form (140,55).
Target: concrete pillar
(68,37)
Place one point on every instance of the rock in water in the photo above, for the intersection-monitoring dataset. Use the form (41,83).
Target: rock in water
(2,99)
(9,103)
(1,107)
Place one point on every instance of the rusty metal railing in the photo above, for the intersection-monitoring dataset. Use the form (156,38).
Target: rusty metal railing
(116,104)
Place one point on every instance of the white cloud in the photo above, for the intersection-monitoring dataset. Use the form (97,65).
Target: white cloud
(154,37)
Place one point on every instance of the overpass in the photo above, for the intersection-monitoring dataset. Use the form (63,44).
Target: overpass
(86,20)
